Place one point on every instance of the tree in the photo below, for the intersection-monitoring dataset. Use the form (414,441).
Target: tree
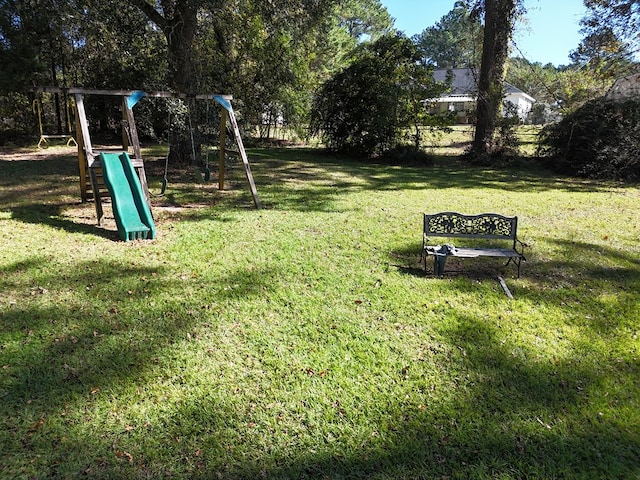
(33,50)
(363,19)
(352,22)
(498,29)
(534,78)
(598,137)
(364,109)
(177,19)
(621,18)
(261,37)
(33,42)
(603,56)
(455,41)
(269,55)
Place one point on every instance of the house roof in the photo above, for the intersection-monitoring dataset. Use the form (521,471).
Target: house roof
(464,82)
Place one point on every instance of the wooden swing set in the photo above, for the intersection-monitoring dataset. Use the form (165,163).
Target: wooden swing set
(89,157)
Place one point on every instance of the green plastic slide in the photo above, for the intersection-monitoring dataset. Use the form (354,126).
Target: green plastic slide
(130,209)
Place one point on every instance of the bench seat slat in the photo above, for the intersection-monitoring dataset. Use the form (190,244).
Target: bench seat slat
(484,252)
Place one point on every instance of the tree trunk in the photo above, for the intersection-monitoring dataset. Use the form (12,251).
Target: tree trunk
(180,30)
(499,19)
(178,23)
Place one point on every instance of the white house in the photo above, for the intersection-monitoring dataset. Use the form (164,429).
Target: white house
(462,96)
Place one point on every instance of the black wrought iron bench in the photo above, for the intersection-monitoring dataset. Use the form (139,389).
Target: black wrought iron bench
(483,227)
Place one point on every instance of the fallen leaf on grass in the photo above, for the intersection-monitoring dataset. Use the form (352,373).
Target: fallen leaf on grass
(36,425)
(543,424)
(128,456)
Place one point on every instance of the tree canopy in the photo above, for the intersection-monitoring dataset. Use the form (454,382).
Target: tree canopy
(619,19)
(455,41)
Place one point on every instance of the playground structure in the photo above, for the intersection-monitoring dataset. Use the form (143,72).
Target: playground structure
(95,165)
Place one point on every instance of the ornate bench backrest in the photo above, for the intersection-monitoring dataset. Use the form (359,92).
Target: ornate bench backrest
(485,225)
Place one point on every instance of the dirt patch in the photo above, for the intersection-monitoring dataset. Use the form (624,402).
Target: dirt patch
(14,154)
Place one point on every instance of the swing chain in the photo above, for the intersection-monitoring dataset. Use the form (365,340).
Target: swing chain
(165,181)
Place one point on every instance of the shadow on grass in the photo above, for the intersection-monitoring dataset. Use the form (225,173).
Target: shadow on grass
(93,330)
(286,179)
(504,413)
(46,214)
(449,172)
(313,181)
(585,281)
(507,416)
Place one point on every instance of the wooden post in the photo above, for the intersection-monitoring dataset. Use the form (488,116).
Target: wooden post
(125,122)
(88,154)
(245,160)
(133,131)
(221,151)
(82,158)
(138,163)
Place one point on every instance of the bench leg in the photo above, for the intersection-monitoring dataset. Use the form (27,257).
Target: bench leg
(516,262)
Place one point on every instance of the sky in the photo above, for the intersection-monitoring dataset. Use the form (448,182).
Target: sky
(551,31)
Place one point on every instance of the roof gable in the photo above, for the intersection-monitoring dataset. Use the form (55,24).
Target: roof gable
(463,80)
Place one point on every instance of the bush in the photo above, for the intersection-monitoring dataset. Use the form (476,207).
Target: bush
(364,109)
(598,140)
(407,155)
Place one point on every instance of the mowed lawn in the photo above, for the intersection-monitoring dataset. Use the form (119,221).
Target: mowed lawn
(304,340)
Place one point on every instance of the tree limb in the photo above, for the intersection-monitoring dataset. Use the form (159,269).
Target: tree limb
(150,11)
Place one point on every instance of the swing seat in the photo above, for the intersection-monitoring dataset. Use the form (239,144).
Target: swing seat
(71,142)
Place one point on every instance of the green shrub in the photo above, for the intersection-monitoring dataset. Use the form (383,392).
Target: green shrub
(599,140)
(364,109)
(407,155)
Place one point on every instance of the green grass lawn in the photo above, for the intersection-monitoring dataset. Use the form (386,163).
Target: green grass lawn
(303,340)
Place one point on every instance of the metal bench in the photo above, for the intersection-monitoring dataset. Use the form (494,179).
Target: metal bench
(486,226)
